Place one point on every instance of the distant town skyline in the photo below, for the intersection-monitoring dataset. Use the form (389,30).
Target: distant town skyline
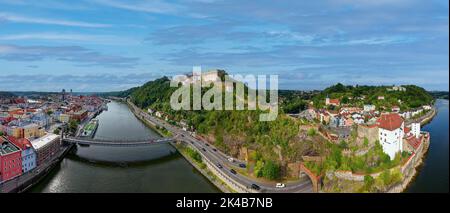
(112,45)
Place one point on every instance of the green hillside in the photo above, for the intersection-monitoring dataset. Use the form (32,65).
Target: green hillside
(412,97)
(232,130)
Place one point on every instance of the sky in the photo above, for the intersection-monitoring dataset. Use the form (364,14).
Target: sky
(112,45)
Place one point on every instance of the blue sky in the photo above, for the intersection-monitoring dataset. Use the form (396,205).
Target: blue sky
(109,45)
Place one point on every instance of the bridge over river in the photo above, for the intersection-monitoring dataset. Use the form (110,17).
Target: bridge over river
(123,143)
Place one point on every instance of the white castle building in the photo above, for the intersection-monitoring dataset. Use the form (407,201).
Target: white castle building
(391,133)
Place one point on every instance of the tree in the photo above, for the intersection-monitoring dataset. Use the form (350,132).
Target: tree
(258,169)
(396,176)
(366,142)
(386,177)
(345,100)
(73,126)
(271,170)
(56,131)
(368,182)
(311,132)
(343,145)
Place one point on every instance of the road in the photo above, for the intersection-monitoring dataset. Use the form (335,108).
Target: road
(302,186)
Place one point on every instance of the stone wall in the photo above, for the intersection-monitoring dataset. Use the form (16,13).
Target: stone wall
(293,170)
(370,133)
(408,166)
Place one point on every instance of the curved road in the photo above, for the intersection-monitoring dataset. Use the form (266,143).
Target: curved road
(303,186)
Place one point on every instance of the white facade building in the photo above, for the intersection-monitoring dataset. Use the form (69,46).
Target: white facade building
(391,133)
(415,129)
(369,107)
(426,107)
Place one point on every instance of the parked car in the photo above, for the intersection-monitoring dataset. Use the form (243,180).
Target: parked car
(255,187)
(219,166)
(233,172)
(280,185)
(242,165)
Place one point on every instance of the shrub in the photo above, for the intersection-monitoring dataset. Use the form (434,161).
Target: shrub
(271,170)
(368,182)
(311,132)
(366,142)
(257,170)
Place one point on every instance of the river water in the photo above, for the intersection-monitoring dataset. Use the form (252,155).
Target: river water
(154,168)
(159,168)
(433,174)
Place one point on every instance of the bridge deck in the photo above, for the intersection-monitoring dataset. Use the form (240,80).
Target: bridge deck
(86,141)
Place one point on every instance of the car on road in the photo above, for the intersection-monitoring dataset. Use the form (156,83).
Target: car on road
(233,172)
(206,144)
(242,165)
(215,150)
(231,160)
(203,149)
(280,185)
(219,166)
(255,187)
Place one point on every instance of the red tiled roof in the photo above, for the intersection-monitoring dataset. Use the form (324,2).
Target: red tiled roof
(390,121)
(22,143)
(414,142)
(406,130)
(334,101)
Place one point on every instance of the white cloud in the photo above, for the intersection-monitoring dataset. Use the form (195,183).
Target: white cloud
(152,6)
(64,37)
(37,20)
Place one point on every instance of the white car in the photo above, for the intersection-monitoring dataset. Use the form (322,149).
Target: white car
(231,160)
(280,185)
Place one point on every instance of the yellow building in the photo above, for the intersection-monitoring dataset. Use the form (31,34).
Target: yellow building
(33,131)
(14,131)
(64,118)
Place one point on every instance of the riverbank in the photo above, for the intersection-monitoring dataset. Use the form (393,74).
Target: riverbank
(202,168)
(412,172)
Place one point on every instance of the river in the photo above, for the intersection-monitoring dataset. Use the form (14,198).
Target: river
(159,168)
(155,168)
